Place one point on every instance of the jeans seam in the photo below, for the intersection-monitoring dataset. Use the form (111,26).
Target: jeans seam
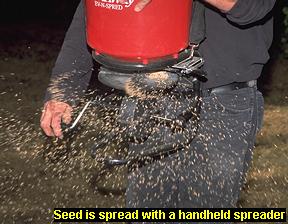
(250,140)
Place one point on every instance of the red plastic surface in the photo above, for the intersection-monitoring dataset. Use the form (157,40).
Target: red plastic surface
(160,30)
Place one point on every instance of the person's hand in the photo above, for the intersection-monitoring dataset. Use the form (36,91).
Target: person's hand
(140,5)
(53,114)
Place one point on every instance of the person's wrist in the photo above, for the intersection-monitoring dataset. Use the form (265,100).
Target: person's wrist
(223,5)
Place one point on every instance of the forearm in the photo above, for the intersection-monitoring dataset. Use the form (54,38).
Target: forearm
(223,5)
(73,67)
(243,12)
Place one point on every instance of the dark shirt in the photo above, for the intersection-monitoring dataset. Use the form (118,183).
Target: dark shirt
(237,43)
(235,49)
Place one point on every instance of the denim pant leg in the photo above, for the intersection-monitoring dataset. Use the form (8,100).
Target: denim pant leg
(223,149)
(210,171)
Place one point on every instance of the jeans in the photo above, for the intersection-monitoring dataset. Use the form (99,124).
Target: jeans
(210,172)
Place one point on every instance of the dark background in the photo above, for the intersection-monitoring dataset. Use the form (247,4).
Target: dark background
(60,12)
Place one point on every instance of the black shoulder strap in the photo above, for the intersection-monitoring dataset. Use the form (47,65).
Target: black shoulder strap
(198,26)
